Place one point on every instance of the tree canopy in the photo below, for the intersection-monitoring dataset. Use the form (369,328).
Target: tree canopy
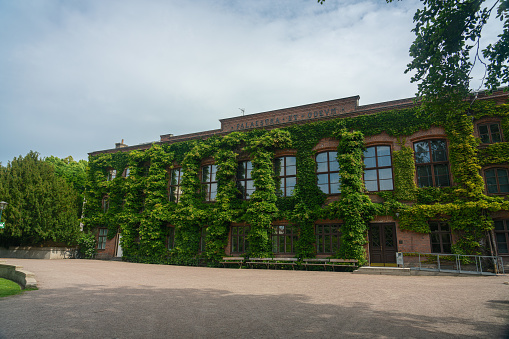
(447,46)
(42,206)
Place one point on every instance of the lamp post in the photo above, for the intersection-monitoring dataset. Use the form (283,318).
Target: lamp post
(3,204)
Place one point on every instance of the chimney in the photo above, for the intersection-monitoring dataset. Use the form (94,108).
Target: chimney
(120,144)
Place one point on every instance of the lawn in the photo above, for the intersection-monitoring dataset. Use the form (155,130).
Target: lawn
(8,287)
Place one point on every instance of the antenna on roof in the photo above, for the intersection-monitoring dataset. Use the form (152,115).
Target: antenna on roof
(242,110)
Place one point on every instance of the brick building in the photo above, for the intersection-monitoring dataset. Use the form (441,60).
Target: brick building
(140,194)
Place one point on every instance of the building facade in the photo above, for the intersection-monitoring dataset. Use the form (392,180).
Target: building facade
(329,179)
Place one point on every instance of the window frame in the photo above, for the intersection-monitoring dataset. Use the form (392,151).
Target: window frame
(323,239)
(488,125)
(175,190)
(440,232)
(329,173)
(239,243)
(433,165)
(505,234)
(377,167)
(105,203)
(111,175)
(209,182)
(203,239)
(278,243)
(170,238)
(495,169)
(242,183)
(102,238)
(283,175)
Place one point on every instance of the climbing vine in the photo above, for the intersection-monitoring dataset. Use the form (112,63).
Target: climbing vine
(140,210)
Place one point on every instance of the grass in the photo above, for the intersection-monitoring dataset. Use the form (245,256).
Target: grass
(8,287)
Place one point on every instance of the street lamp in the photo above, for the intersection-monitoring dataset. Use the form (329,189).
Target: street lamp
(3,205)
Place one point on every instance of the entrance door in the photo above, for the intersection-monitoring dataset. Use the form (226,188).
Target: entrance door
(382,244)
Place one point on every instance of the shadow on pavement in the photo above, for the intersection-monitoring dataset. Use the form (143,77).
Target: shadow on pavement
(93,311)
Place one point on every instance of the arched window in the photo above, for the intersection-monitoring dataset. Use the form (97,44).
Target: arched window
(286,171)
(497,180)
(209,182)
(245,183)
(327,172)
(432,164)
(378,169)
(176,175)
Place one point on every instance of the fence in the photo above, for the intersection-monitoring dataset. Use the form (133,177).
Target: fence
(453,263)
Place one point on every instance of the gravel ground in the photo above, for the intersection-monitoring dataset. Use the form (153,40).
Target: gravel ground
(111,299)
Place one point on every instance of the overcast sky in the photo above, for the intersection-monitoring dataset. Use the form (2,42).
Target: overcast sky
(77,76)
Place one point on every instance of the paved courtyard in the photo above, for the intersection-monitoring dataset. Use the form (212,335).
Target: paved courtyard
(108,299)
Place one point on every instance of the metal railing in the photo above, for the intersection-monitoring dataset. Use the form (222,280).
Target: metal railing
(452,263)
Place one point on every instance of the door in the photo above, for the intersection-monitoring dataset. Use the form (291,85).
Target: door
(382,244)
(119,246)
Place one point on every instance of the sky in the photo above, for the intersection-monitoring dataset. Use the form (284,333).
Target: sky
(78,76)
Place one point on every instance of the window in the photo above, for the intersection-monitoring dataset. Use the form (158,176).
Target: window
(378,169)
(431,162)
(170,239)
(497,180)
(127,171)
(440,237)
(284,238)
(112,174)
(245,183)
(502,236)
(286,171)
(239,239)
(203,238)
(176,175)
(327,238)
(101,241)
(209,182)
(327,171)
(489,133)
(106,204)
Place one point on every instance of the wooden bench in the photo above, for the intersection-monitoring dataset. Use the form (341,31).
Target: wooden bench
(329,263)
(343,262)
(315,262)
(232,260)
(285,262)
(259,261)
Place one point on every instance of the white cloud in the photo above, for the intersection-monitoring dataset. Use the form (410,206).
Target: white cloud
(81,76)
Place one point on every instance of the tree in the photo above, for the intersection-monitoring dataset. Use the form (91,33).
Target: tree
(447,46)
(42,206)
(74,173)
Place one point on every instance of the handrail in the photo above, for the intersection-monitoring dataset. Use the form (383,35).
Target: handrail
(460,263)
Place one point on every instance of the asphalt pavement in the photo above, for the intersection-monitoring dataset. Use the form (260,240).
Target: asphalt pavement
(111,299)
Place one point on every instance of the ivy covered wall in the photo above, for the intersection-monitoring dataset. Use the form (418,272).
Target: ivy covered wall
(139,207)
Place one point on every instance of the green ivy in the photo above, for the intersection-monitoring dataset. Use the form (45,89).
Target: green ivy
(141,211)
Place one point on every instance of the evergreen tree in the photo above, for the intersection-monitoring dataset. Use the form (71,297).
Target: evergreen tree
(42,206)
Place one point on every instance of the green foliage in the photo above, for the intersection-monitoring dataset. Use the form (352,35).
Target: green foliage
(8,288)
(446,47)
(87,245)
(42,206)
(141,211)
(74,173)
